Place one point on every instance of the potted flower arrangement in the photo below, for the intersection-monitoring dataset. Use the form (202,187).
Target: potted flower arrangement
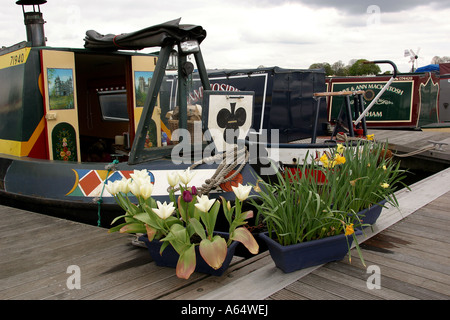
(318,205)
(303,230)
(183,230)
(365,182)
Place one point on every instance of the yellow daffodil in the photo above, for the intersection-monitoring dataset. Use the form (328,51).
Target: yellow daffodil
(340,148)
(370,137)
(385,185)
(339,159)
(324,160)
(349,229)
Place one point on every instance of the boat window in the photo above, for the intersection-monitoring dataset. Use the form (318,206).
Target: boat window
(113,104)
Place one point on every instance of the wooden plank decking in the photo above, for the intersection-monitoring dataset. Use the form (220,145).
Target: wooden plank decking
(36,251)
(413,258)
(409,141)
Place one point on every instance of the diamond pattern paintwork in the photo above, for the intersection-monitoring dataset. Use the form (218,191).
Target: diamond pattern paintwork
(90,182)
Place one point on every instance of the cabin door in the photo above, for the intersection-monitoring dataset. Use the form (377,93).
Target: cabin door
(60,100)
(143,68)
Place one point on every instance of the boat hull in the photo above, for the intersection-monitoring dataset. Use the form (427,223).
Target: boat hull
(76,190)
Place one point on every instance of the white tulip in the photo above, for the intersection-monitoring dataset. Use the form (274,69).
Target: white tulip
(204,203)
(186,176)
(146,190)
(164,210)
(139,174)
(241,191)
(173,178)
(123,185)
(111,187)
(135,187)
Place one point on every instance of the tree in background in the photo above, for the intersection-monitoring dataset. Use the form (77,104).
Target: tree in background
(356,67)
(359,68)
(437,59)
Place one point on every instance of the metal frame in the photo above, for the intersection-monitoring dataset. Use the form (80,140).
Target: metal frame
(138,153)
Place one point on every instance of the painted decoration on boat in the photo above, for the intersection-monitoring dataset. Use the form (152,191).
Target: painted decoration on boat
(89,183)
(229,116)
(60,84)
(429,102)
(142,81)
(64,142)
(394,105)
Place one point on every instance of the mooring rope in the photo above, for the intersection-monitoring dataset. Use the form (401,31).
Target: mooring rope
(234,161)
(110,167)
(344,137)
(413,153)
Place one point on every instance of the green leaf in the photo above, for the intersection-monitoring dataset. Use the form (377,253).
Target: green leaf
(186,263)
(144,217)
(150,232)
(198,227)
(117,228)
(133,228)
(246,238)
(214,251)
(209,218)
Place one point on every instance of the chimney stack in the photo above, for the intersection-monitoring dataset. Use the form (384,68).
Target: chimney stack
(34,22)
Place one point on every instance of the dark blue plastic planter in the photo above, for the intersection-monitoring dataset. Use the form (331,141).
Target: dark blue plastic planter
(169,257)
(307,254)
(371,214)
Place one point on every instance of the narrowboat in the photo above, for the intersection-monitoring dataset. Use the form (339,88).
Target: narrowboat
(73,119)
(413,101)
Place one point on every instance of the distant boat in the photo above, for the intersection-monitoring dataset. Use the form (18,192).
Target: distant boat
(416,100)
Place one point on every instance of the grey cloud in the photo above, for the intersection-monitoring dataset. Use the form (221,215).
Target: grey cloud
(355,7)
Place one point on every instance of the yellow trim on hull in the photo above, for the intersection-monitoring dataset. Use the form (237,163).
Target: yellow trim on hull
(14,58)
(22,148)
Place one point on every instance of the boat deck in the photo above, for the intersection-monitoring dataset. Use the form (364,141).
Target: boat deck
(409,245)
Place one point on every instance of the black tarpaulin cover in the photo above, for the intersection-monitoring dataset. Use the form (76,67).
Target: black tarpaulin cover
(155,36)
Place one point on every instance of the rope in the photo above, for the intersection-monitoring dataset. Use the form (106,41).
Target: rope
(344,137)
(110,167)
(413,153)
(238,157)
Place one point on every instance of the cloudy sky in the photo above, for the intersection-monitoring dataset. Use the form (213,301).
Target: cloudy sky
(250,33)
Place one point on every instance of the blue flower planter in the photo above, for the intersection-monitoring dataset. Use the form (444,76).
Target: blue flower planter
(169,257)
(371,214)
(307,254)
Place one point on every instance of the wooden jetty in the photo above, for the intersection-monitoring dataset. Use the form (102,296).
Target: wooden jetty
(409,245)
(429,150)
